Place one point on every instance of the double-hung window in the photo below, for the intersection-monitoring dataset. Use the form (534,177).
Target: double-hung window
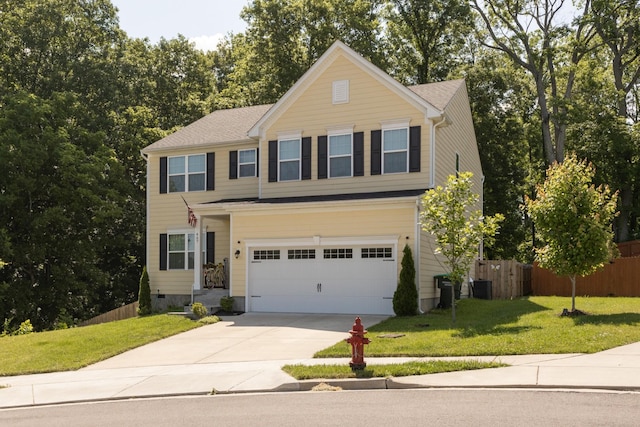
(247,163)
(187,173)
(340,155)
(182,248)
(395,150)
(289,159)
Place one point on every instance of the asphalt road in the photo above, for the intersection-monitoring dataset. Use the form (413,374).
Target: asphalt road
(422,407)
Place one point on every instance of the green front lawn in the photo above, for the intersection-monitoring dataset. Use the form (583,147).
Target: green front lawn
(74,348)
(524,326)
(305,372)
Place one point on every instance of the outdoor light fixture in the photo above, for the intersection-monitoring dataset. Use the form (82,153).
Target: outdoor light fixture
(237,254)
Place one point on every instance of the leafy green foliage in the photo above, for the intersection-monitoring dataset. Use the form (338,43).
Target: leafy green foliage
(198,309)
(144,294)
(446,213)
(405,298)
(573,219)
(226,303)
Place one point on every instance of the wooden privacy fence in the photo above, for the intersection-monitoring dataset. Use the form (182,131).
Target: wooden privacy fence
(621,278)
(509,278)
(120,313)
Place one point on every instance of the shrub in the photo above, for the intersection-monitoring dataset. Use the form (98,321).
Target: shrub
(25,328)
(405,298)
(227,304)
(144,294)
(198,309)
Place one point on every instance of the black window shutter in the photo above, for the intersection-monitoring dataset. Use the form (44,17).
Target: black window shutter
(211,171)
(306,157)
(358,154)
(163,175)
(376,152)
(322,157)
(233,164)
(257,162)
(163,251)
(211,246)
(273,161)
(414,148)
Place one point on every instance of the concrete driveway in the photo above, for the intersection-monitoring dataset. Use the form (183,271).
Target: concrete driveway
(244,338)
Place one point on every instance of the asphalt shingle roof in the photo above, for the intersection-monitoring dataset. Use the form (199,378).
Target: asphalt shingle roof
(232,125)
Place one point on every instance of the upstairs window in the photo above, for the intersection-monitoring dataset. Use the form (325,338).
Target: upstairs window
(187,173)
(289,158)
(340,155)
(395,150)
(247,163)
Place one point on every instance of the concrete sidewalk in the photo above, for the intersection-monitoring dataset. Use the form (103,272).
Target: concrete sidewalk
(246,355)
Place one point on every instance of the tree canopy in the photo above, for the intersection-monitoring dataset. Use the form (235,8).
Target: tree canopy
(573,219)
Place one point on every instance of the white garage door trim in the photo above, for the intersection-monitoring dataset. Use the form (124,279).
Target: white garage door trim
(320,243)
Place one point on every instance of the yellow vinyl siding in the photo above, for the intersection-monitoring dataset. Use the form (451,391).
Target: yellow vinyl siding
(313,114)
(168,213)
(327,223)
(459,137)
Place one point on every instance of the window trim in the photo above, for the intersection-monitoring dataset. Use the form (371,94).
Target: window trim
(254,163)
(297,138)
(329,156)
(186,174)
(384,152)
(186,251)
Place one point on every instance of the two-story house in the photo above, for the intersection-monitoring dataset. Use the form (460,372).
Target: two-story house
(309,201)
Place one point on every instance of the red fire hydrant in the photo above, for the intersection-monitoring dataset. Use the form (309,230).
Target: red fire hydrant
(357,341)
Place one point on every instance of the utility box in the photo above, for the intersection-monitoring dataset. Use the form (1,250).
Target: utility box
(482,289)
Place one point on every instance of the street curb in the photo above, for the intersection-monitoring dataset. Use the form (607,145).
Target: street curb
(346,384)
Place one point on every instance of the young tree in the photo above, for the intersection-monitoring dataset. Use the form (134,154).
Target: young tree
(144,294)
(446,213)
(405,298)
(573,218)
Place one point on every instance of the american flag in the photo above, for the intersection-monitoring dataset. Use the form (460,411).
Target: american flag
(191,217)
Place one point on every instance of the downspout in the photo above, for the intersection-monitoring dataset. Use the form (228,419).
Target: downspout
(417,251)
(432,171)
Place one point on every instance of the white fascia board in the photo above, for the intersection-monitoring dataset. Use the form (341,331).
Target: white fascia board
(319,205)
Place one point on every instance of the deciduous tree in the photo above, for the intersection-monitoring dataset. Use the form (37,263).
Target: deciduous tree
(573,219)
(450,214)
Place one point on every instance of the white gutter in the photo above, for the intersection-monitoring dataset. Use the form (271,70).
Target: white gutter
(432,169)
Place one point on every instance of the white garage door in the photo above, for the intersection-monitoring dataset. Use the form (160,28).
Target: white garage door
(344,279)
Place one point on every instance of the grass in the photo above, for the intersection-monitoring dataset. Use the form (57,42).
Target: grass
(305,372)
(74,348)
(530,325)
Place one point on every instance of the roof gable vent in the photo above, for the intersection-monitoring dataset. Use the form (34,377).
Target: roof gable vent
(341,91)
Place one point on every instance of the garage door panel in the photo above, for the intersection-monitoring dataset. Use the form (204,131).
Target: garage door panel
(346,279)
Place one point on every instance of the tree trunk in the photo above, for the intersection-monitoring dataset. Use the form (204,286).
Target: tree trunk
(453,302)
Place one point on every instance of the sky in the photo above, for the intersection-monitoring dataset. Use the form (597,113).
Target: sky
(203,22)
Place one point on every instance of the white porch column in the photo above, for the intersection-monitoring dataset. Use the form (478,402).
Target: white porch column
(197,258)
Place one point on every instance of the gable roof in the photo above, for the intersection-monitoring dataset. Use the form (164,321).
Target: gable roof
(243,124)
(337,49)
(439,94)
(221,126)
